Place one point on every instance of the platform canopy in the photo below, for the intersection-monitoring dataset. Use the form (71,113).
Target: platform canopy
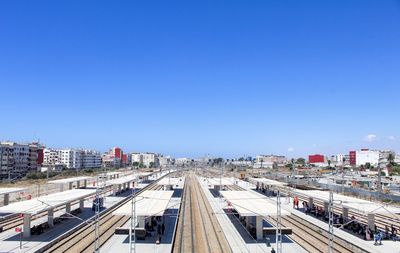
(148,203)
(11,190)
(69,180)
(247,203)
(265,181)
(122,180)
(360,205)
(223,181)
(171,181)
(44,203)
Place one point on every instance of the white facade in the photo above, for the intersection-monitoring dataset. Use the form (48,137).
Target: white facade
(51,156)
(150,158)
(339,158)
(164,161)
(136,157)
(367,156)
(397,159)
(271,159)
(72,158)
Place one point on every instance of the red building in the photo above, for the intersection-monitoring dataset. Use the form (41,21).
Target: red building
(353,157)
(117,152)
(316,158)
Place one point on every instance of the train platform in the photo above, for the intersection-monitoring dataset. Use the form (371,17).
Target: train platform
(120,242)
(236,234)
(387,246)
(10,239)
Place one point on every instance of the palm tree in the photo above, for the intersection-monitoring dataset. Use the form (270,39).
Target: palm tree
(390,158)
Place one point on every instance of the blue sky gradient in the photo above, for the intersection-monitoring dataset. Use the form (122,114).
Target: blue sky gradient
(189,78)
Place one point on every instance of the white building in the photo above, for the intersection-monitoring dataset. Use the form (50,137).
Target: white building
(51,157)
(268,161)
(72,158)
(367,156)
(397,159)
(136,157)
(339,158)
(150,160)
(164,160)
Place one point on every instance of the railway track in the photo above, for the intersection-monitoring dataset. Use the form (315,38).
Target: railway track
(82,238)
(312,238)
(199,230)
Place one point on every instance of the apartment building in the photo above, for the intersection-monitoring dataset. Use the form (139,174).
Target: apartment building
(72,158)
(14,160)
(91,159)
(150,160)
(113,158)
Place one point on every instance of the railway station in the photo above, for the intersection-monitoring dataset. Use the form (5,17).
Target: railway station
(174,213)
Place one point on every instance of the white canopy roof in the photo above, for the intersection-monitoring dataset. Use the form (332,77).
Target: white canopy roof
(47,202)
(122,180)
(363,206)
(171,181)
(247,203)
(148,203)
(224,180)
(11,190)
(265,181)
(69,180)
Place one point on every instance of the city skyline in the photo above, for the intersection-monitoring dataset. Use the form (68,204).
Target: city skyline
(193,79)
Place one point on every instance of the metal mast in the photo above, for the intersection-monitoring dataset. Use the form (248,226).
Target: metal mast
(132,248)
(330,213)
(97,220)
(278,223)
(379,181)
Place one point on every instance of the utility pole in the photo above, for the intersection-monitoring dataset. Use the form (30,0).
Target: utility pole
(97,220)
(132,248)
(379,181)
(330,214)
(278,223)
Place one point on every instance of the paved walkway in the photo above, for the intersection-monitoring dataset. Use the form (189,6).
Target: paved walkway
(238,237)
(387,247)
(10,240)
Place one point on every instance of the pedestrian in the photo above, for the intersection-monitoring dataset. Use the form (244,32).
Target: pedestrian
(162,229)
(378,238)
(272,250)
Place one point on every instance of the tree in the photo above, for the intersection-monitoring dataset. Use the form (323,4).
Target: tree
(368,165)
(151,165)
(390,158)
(301,161)
(275,166)
(329,163)
(136,164)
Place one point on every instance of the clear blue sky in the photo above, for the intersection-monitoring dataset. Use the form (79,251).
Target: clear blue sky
(189,78)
